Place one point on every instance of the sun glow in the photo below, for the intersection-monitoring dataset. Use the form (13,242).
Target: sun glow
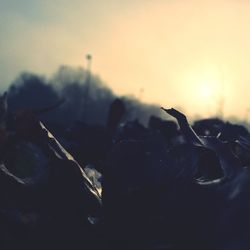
(206,91)
(203,88)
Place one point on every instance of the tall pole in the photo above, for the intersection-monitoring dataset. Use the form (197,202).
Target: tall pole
(141,91)
(87,83)
(221,100)
(89,61)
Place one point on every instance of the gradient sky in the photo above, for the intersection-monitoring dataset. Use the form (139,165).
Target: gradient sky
(181,53)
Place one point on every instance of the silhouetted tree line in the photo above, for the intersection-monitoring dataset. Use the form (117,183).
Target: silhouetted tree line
(84,101)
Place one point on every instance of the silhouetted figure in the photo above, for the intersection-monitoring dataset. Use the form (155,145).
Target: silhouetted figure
(116,112)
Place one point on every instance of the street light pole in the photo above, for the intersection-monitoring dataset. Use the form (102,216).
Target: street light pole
(89,61)
(87,83)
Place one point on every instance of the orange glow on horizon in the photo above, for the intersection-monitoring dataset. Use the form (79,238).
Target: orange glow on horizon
(177,51)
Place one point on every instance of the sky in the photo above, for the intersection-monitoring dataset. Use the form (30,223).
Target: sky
(175,53)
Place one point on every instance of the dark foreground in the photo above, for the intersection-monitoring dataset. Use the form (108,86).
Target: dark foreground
(163,187)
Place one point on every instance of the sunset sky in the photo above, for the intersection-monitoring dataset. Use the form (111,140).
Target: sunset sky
(182,53)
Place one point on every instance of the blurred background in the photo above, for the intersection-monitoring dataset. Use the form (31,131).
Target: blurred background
(188,54)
